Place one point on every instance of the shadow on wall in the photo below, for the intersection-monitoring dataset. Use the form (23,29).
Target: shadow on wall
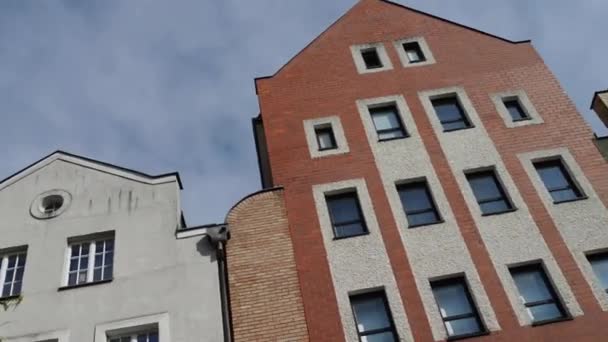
(206,249)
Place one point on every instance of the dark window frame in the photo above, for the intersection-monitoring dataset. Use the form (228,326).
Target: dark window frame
(373,64)
(414,46)
(464,118)
(374,294)
(555,298)
(362,221)
(325,129)
(397,112)
(431,198)
(503,194)
(597,256)
(565,171)
(461,279)
(526,116)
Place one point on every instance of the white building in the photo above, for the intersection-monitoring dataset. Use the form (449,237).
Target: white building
(94,252)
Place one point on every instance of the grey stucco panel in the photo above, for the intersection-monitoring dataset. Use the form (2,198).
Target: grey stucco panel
(582,223)
(510,238)
(359,263)
(434,251)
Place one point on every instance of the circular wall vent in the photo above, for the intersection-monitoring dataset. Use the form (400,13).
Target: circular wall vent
(50,204)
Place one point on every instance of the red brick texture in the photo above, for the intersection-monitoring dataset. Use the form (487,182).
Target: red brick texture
(266,303)
(322,81)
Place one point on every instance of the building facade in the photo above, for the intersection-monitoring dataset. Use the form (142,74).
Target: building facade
(424,181)
(94,252)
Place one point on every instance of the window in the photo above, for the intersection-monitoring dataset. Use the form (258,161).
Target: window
(12,267)
(151,336)
(450,113)
(90,261)
(371,58)
(373,317)
(558,181)
(325,138)
(413,52)
(457,309)
(418,204)
(515,109)
(537,294)
(599,264)
(346,216)
(489,192)
(387,122)
(51,204)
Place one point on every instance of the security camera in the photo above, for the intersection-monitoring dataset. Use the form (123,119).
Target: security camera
(218,233)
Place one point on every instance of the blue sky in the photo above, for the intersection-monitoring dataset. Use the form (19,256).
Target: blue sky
(162,86)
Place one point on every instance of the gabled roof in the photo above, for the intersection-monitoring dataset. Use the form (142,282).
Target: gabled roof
(401,7)
(91,164)
(596,96)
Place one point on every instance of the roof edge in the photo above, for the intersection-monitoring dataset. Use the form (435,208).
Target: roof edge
(596,95)
(94,161)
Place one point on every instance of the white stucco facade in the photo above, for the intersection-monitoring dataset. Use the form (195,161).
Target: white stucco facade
(159,282)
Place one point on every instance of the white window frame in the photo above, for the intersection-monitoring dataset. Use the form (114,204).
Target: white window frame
(524,101)
(424,47)
(134,335)
(311,136)
(4,255)
(158,322)
(356,51)
(59,336)
(92,242)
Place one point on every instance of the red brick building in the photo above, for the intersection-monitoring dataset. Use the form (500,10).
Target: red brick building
(423,181)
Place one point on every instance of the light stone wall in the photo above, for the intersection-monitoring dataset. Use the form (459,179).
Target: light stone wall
(154,273)
(434,251)
(510,238)
(358,263)
(582,223)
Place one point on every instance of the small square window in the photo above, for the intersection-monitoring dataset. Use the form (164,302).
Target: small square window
(413,52)
(537,294)
(373,317)
(346,215)
(516,110)
(12,267)
(418,204)
(457,309)
(450,114)
(371,58)
(387,122)
(599,264)
(488,191)
(558,181)
(90,261)
(325,138)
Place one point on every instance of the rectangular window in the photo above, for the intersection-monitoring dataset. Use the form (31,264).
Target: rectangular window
(151,336)
(418,204)
(373,317)
(346,216)
(12,267)
(414,52)
(557,180)
(489,192)
(457,309)
(450,114)
(387,122)
(325,138)
(371,58)
(515,110)
(537,294)
(90,261)
(599,264)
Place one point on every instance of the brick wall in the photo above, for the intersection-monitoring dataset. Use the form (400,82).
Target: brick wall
(323,81)
(266,304)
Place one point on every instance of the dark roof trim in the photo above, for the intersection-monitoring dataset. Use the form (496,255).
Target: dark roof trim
(141,174)
(595,95)
(398,5)
(252,195)
(457,24)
